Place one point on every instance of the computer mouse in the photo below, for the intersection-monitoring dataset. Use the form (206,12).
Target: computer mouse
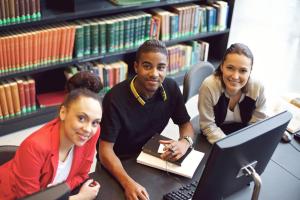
(286,137)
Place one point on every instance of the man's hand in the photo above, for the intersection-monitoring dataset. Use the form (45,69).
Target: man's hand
(174,150)
(134,191)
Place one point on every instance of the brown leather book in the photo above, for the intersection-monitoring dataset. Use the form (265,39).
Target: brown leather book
(3,102)
(22,9)
(15,97)
(27,8)
(20,84)
(17,12)
(32,7)
(32,93)
(9,100)
(12,10)
(7,10)
(3,15)
(27,95)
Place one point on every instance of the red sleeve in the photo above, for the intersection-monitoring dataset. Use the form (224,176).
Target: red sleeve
(27,168)
(84,160)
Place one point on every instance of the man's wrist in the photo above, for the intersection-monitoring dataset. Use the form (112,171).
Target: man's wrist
(188,140)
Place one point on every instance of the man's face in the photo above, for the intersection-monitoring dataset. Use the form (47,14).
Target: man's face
(151,71)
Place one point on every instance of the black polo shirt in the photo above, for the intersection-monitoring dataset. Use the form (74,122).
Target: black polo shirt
(129,125)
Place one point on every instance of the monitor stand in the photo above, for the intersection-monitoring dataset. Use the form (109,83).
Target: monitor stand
(249,170)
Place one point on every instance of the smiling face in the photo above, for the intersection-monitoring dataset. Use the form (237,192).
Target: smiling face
(151,71)
(80,120)
(236,70)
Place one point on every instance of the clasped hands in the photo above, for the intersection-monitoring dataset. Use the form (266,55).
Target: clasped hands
(173,150)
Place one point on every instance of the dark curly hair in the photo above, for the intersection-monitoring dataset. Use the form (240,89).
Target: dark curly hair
(83,83)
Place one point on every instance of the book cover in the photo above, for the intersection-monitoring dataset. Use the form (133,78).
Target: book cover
(151,147)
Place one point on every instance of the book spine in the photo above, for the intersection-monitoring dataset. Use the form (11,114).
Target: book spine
(15,97)
(7,11)
(87,39)
(32,93)
(63,44)
(38,9)
(1,56)
(33,10)
(17,11)
(27,10)
(3,14)
(102,45)
(94,38)
(9,100)
(9,53)
(22,51)
(121,34)
(3,102)
(79,42)
(27,96)
(126,33)
(12,11)
(72,42)
(148,27)
(110,35)
(21,95)
(22,10)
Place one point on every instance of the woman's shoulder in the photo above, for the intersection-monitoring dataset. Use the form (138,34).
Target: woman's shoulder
(43,137)
(212,82)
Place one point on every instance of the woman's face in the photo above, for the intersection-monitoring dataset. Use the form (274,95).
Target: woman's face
(236,70)
(80,120)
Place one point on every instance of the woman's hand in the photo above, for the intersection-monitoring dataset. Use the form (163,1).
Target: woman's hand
(174,150)
(88,191)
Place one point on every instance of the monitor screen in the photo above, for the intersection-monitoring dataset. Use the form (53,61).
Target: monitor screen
(252,144)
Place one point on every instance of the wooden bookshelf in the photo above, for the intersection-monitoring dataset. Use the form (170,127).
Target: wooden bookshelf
(91,9)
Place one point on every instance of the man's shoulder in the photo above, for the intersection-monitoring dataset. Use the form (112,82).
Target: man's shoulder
(118,90)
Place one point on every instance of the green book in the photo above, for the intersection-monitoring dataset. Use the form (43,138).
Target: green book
(110,41)
(87,38)
(126,21)
(121,34)
(94,37)
(102,38)
(79,41)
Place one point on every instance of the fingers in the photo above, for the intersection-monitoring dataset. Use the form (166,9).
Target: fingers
(173,150)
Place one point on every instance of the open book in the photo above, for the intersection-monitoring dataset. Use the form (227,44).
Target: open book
(187,168)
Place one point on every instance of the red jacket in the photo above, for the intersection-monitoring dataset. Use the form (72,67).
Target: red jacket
(36,161)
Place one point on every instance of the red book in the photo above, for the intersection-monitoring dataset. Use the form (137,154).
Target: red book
(51,98)
(32,93)
(21,94)
(27,96)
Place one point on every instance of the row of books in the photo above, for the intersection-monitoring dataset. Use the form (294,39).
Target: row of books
(18,11)
(28,49)
(17,97)
(182,56)
(110,34)
(109,73)
(189,19)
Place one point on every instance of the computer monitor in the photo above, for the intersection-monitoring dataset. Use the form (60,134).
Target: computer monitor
(250,146)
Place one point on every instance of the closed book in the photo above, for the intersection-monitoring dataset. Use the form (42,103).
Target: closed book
(1,56)
(3,102)
(152,147)
(27,96)
(51,98)
(3,12)
(71,42)
(79,42)
(94,37)
(17,12)
(102,35)
(21,95)
(9,100)
(27,10)
(7,11)
(38,8)
(155,27)
(15,97)
(32,93)
(87,38)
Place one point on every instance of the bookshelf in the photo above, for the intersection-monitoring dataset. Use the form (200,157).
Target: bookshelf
(49,77)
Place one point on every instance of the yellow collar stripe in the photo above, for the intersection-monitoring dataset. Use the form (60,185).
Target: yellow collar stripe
(139,98)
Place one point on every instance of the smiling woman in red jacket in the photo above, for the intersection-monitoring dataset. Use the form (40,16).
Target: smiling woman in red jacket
(62,150)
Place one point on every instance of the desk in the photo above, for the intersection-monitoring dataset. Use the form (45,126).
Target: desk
(278,183)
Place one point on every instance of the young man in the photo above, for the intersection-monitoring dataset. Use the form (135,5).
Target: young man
(138,108)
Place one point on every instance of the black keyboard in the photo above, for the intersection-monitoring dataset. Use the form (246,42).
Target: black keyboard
(184,193)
